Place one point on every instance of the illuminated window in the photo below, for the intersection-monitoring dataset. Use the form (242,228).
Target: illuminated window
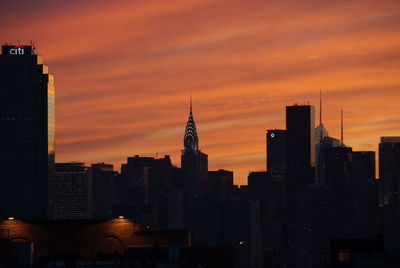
(344,256)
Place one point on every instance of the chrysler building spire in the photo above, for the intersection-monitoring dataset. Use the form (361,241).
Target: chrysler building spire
(190,141)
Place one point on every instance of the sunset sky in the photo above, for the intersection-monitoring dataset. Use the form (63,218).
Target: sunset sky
(124,72)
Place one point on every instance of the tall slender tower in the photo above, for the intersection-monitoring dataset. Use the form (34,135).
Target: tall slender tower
(194,165)
(27,123)
(320,134)
(341,126)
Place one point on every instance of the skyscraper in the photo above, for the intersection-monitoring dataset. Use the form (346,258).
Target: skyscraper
(194,165)
(194,162)
(276,152)
(300,133)
(389,188)
(320,134)
(27,122)
(300,155)
(389,170)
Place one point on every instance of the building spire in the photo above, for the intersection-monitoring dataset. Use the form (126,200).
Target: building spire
(190,140)
(320,107)
(190,102)
(341,125)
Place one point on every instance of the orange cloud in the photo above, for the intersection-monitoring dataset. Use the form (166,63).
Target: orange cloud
(124,71)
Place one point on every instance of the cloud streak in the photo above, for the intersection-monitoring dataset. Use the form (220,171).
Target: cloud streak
(124,71)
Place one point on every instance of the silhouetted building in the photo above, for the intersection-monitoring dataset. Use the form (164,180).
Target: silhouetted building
(389,182)
(270,192)
(102,190)
(366,193)
(175,210)
(207,222)
(320,134)
(389,170)
(144,187)
(71,191)
(338,162)
(194,165)
(27,124)
(136,175)
(326,142)
(220,184)
(363,168)
(300,154)
(230,223)
(276,152)
(256,182)
(300,134)
(241,226)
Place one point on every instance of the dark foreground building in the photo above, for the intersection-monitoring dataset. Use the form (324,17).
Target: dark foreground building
(43,243)
(27,133)
(110,243)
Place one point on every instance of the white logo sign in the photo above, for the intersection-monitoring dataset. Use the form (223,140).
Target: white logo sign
(17,50)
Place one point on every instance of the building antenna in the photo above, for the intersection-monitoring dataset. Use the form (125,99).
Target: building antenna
(320,107)
(190,101)
(320,117)
(341,125)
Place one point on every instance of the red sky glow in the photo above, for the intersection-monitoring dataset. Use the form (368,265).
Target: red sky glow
(124,72)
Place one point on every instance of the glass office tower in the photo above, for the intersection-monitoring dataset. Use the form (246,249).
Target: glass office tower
(27,122)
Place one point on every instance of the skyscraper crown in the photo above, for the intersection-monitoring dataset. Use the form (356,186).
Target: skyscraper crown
(191,141)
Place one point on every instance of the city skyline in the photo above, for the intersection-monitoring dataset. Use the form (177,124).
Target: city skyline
(124,74)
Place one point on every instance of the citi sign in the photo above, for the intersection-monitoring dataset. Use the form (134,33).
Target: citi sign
(17,50)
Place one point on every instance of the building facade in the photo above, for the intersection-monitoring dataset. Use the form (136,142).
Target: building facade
(300,133)
(389,169)
(27,138)
(102,190)
(276,152)
(71,191)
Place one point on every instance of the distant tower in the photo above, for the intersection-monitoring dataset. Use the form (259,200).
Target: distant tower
(300,136)
(276,152)
(341,126)
(320,130)
(320,134)
(320,107)
(194,165)
(389,171)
